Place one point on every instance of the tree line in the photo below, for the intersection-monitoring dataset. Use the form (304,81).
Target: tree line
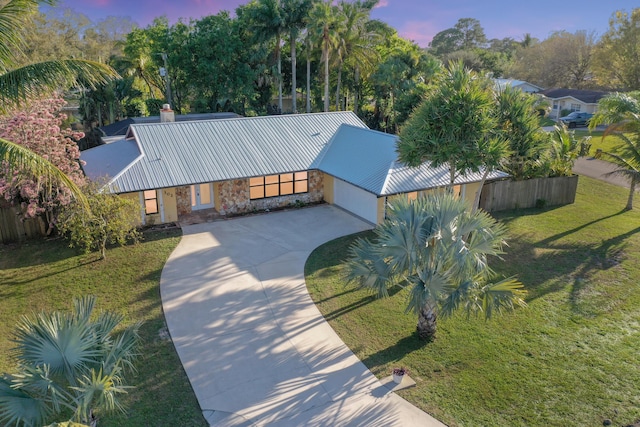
(317,56)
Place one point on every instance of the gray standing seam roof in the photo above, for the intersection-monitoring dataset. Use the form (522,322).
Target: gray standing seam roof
(368,159)
(185,153)
(174,154)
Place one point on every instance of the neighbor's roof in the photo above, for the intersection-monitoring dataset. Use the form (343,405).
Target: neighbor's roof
(368,159)
(121,127)
(586,96)
(502,83)
(185,153)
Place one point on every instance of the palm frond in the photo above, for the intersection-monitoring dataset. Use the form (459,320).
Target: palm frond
(12,19)
(503,295)
(19,158)
(36,80)
(19,407)
(98,390)
(367,268)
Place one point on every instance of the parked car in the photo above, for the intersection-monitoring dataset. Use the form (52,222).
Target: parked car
(576,119)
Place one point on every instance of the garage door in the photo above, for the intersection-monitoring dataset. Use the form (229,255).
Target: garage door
(355,200)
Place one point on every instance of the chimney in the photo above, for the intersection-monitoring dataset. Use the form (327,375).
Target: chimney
(167,114)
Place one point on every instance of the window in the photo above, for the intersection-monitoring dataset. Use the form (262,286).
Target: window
(278,185)
(150,202)
(575,107)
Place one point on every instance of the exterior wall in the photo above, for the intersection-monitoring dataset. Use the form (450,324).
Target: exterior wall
(183,200)
(234,196)
(216,195)
(169,205)
(328,188)
(382,203)
(469,192)
(565,104)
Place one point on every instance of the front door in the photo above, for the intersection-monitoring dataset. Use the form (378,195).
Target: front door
(201,196)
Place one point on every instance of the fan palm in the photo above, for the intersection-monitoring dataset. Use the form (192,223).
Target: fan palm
(437,248)
(66,361)
(622,110)
(19,85)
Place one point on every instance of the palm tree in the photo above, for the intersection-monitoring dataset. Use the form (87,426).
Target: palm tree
(355,42)
(324,24)
(622,110)
(35,80)
(452,124)
(67,361)
(438,249)
(296,16)
(269,23)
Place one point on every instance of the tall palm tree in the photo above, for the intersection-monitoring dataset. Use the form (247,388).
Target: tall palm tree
(325,22)
(622,111)
(355,43)
(18,85)
(437,248)
(269,24)
(296,16)
(67,361)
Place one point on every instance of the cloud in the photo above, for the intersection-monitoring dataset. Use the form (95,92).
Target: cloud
(421,32)
(382,3)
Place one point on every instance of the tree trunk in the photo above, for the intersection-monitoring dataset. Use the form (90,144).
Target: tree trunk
(632,190)
(356,96)
(294,107)
(426,326)
(279,75)
(338,87)
(308,75)
(326,69)
(308,84)
(476,202)
(452,176)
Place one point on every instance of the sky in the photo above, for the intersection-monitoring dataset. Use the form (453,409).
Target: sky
(417,20)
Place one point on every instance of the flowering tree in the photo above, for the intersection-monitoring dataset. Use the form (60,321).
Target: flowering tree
(40,129)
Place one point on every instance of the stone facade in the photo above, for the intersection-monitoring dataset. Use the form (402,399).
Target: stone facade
(234,196)
(183,200)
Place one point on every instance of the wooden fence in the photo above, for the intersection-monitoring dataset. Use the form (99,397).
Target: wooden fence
(14,229)
(538,192)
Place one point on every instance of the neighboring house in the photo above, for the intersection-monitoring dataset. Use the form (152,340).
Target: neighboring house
(117,130)
(244,165)
(585,101)
(517,84)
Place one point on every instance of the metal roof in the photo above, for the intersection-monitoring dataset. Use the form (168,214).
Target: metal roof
(184,153)
(368,159)
(120,128)
(174,154)
(107,161)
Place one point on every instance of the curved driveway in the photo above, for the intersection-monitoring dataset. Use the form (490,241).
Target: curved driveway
(253,344)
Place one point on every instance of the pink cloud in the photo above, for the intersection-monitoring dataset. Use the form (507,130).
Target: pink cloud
(421,32)
(382,3)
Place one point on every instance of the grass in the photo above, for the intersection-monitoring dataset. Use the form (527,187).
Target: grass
(569,358)
(46,275)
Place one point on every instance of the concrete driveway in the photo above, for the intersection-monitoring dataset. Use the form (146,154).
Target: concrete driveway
(253,344)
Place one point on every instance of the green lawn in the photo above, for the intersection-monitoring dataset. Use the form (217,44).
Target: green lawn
(46,275)
(569,358)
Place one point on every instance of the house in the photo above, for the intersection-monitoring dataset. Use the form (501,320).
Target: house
(517,84)
(242,165)
(570,100)
(115,131)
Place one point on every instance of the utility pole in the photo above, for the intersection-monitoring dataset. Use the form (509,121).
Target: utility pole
(164,72)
